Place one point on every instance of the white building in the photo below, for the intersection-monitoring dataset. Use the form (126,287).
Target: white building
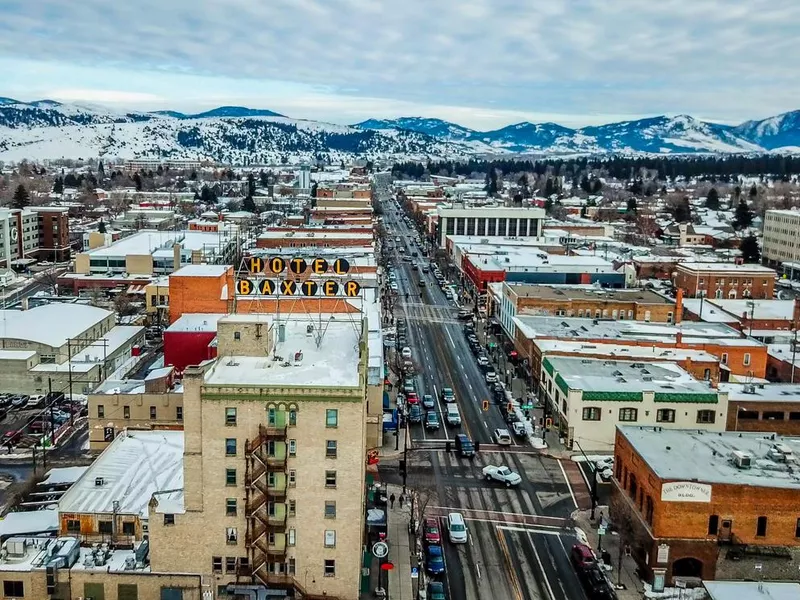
(488,222)
(779,244)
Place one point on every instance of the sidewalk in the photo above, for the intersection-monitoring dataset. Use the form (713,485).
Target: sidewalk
(633,588)
(402,551)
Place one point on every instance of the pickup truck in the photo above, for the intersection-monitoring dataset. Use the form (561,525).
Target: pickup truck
(502,474)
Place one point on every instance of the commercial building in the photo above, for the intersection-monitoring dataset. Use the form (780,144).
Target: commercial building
(757,318)
(200,289)
(324,238)
(151,252)
(764,407)
(35,233)
(779,244)
(191,340)
(274,459)
(140,217)
(488,222)
(63,345)
(155,402)
(725,280)
(693,504)
(588,398)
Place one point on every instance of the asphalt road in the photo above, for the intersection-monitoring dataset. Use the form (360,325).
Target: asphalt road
(519,537)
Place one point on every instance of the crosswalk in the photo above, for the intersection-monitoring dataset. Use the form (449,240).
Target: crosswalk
(429,313)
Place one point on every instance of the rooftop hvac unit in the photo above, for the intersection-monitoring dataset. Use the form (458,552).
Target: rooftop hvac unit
(742,460)
(99,482)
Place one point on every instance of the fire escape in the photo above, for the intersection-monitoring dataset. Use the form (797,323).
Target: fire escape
(266,510)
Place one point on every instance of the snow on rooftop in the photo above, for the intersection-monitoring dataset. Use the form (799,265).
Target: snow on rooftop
(704,457)
(710,312)
(28,522)
(201,271)
(155,242)
(196,322)
(50,324)
(721,266)
(766,310)
(762,392)
(63,475)
(752,590)
(621,351)
(335,363)
(130,470)
(17,354)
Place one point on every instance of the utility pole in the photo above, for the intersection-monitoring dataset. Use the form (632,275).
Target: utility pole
(594,479)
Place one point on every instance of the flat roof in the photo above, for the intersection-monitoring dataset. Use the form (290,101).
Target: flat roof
(752,590)
(499,211)
(762,392)
(196,322)
(704,456)
(201,271)
(621,351)
(710,312)
(535,260)
(133,467)
(325,235)
(334,363)
(50,324)
(722,266)
(149,241)
(599,375)
(17,354)
(587,292)
(766,310)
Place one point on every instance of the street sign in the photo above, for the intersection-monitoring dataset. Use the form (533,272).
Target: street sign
(414,572)
(380,550)
(601,530)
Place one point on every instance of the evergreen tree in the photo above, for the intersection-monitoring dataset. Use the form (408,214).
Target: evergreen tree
(743,216)
(101,227)
(491,182)
(584,212)
(58,186)
(101,170)
(193,175)
(753,192)
(597,186)
(196,196)
(251,185)
(160,170)
(712,199)
(549,188)
(263,179)
(586,185)
(21,197)
(632,204)
(683,211)
(137,181)
(70,180)
(314,189)
(751,253)
(207,195)
(249,204)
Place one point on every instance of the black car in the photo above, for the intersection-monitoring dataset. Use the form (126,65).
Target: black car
(415,414)
(596,584)
(465,315)
(464,446)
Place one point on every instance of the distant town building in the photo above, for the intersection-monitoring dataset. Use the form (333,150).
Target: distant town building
(725,280)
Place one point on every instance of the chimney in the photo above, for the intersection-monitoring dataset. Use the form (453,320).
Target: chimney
(679,305)
(678,339)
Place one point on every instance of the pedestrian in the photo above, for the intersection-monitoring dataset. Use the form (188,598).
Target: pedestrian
(402,500)
(391,501)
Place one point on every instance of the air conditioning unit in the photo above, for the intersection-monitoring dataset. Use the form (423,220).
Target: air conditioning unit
(742,460)
(99,482)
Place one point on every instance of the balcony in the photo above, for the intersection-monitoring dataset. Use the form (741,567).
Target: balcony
(278,546)
(278,486)
(277,517)
(273,431)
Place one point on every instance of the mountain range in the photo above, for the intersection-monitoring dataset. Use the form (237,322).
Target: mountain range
(46,129)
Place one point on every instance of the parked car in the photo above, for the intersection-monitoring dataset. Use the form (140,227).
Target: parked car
(491,377)
(434,560)
(19,401)
(428,402)
(483,361)
(431,531)
(518,427)
(432,420)
(502,474)
(35,401)
(596,584)
(412,398)
(456,528)
(436,590)
(39,426)
(406,353)
(465,315)
(415,414)
(582,557)
(12,437)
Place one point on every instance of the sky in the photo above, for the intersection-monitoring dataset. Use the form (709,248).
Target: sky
(481,63)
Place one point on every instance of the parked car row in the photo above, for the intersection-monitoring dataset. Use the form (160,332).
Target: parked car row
(590,574)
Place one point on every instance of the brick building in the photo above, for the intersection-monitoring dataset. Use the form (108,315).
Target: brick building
(754,317)
(322,238)
(764,407)
(725,280)
(693,505)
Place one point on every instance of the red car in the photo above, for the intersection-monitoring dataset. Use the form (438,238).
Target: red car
(582,556)
(412,398)
(12,436)
(431,530)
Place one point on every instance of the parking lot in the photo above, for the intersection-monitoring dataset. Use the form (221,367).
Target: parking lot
(24,419)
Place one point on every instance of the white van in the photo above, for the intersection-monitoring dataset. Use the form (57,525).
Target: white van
(453,416)
(456,528)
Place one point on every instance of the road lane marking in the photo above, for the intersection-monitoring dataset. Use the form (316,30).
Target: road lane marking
(569,485)
(512,574)
(552,531)
(541,568)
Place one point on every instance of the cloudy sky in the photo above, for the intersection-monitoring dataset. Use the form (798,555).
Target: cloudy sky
(482,63)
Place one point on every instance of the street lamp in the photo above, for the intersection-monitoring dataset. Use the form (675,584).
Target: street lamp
(738,410)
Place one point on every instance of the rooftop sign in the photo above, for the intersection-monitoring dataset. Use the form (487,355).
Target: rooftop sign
(685,491)
(277,266)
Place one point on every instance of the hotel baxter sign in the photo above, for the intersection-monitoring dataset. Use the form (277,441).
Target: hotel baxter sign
(268,278)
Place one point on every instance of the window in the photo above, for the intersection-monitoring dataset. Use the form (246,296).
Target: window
(292,418)
(127,591)
(591,413)
(230,564)
(216,564)
(330,449)
(230,416)
(291,537)
(797,529)
(230,507)
(724,359)
(669,317)
(713,524)
(628,414)
(330,479)
(772,415)
(707,374)
(73,526)
(292,447)
(13,588)
(330,568)
(128,528)
(331,417)
(706,416)
(237,335)
(179,413)
(105,527)
(292,508)
(231,536)
(292,477)
(330,538)
(761,527)
(101,411)
(230,476)
(169,519)
(230,447)
(746,360)
(126,412)
(153,413)
(330,509)
(665,415)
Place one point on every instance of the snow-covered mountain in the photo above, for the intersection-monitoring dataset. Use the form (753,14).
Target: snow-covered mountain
(47,129)
(774,133)
(236,135)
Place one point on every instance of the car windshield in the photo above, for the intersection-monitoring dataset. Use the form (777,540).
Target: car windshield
(457,527)
(504,470)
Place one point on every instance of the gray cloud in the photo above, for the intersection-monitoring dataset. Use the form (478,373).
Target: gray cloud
(724,59)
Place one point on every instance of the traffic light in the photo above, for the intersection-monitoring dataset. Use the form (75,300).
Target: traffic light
(485,405)
(548,423)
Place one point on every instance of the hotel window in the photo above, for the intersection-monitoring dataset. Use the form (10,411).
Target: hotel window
(746,360)
(230,416)
(101,411)
(706,416)
(330,479)
(230,476)
(216,564)
(292,447)
(179,413)
(230,447)
(153,413)
(591,413)
(237,335)
(126,412)
(230,507)
(292,477)
(291,537)
(628,414)
(330,509)
(292,418)
(231,536)
(13,589)
(331,417)
(330,538)
(169,519)
(230,564)
(292,508)
(665,415)
(331,449)
(330,567)
(724,359)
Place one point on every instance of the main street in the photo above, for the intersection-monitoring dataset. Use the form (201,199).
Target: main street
(519,537)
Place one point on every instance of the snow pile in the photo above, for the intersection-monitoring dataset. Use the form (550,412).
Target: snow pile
(676,593)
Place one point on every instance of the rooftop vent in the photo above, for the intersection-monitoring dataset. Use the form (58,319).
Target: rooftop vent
(742,460)
(99,482)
